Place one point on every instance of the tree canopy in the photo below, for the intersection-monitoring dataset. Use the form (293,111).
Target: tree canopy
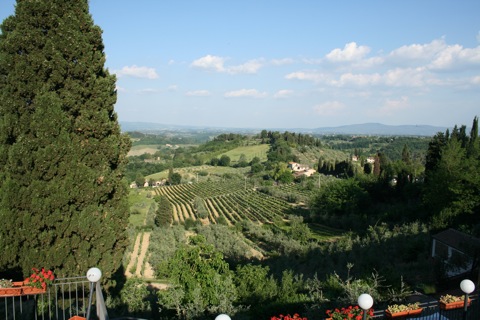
(63,201)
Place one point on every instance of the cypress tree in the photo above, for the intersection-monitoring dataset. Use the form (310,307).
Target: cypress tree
(62,155)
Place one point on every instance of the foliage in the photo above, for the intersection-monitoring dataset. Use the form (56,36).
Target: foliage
(134,296)
(164,241)
(226,240)
(164,212)
(452,188)
(340,198)
(4,283)
(255,286)
(201,281)
(63,154)
(199,206)
(448,298)
(394,308)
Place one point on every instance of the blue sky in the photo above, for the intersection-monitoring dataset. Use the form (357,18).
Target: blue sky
(292,64)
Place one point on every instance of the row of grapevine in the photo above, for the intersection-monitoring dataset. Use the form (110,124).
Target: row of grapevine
(229,200)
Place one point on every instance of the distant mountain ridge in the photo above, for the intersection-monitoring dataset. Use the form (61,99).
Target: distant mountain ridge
(354,129)
(382,129)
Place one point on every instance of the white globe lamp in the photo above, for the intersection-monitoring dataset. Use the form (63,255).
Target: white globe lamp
(222,317)
(365,301)
(94,274)
(467,286)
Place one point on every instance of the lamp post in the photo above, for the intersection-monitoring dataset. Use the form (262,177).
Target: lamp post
(365,301)
(467,287)
(222,317)
(93,275)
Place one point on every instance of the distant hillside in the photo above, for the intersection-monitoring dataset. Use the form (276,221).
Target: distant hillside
(381,129)
(360,129)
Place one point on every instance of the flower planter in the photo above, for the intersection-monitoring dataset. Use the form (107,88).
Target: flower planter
(16,290)
(77,318)
(10,292)
(403,313)
(452,305)
(32,290)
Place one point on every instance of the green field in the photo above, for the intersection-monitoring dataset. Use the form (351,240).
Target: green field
(191,173)
(142,149)
(139,205)
(259,150)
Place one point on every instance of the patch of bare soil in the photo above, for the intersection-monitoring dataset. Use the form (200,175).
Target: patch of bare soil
(143,254)
(133,256)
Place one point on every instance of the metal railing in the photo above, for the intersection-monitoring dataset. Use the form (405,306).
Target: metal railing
(67,297)
(432,311)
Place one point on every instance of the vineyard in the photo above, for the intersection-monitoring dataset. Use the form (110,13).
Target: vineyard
(230,200)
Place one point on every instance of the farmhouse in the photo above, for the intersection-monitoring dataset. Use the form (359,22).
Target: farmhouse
(300,169)
(296,167)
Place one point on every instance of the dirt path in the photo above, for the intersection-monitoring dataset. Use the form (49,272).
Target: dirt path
(143,253)
(133,256)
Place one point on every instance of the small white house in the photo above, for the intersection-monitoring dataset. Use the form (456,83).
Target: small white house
(296,167)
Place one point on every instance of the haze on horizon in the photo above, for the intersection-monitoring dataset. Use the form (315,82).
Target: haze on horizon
(286,64)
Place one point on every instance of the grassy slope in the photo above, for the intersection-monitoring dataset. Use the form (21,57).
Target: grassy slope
(190,173)
(311,156)
(138,201)
(141,149)
(259,150)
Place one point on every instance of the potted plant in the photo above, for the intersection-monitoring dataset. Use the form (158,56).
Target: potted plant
(38,281)
(403,310)
(355,313)
(8,288)
(449,301)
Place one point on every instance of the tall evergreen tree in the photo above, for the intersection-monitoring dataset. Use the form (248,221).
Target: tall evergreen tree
(62,155)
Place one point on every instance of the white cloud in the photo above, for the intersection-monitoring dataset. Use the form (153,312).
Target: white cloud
(476,80)
(419,51)
(137,72)
(252,93)
(198,93)
(329,108)
(357,79)
(283,94)
(391,106)
(172,87)
(407,77)
(217,64)
(251,66)
(210,62)
(437,55)
(350,52)
(307,75)
(456,57)
(478,36)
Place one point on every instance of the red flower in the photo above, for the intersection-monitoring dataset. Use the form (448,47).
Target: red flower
(40,278)
(351,312)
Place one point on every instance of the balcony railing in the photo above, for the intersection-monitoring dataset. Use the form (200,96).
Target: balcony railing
(432,311)
(69,297)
